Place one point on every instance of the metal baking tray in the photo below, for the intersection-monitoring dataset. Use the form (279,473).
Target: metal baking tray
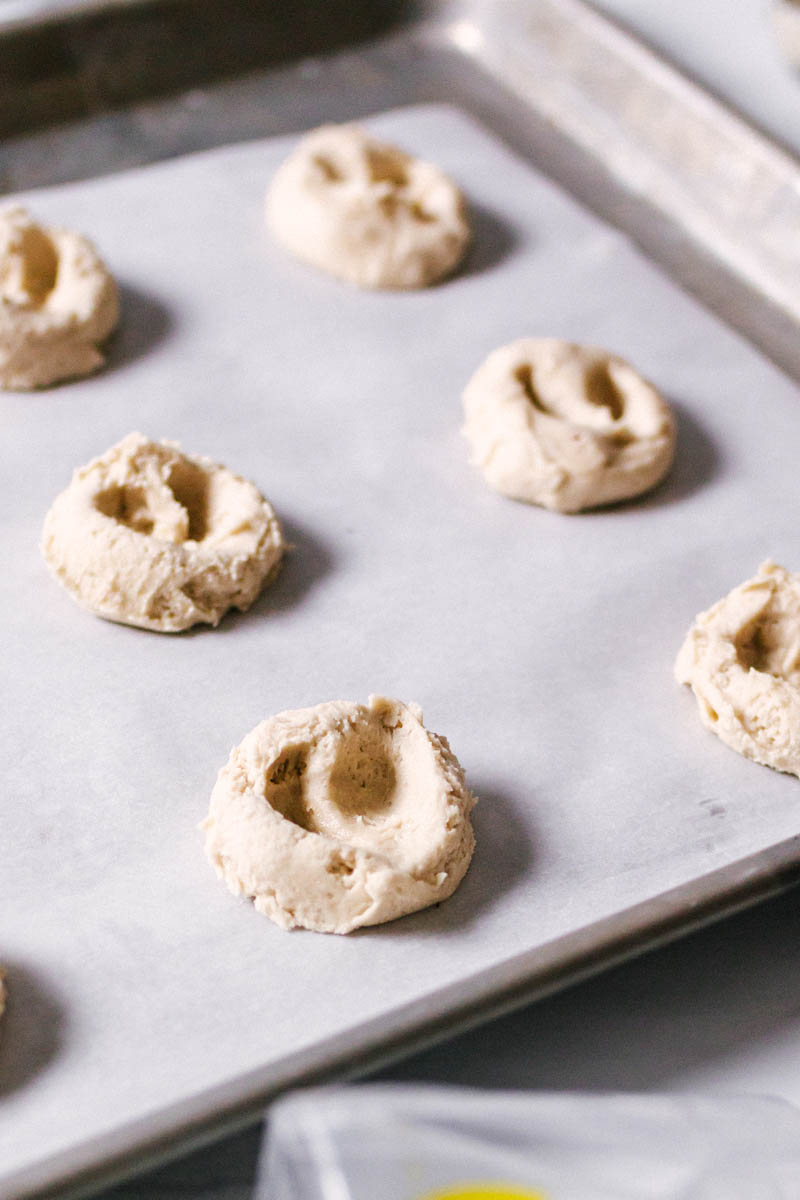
(544,84)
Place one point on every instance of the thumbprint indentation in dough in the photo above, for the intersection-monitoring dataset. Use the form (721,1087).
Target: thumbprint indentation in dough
(327,168)
(285,789)
(341,815)
(28,263)
(741,659)
(387,164)
(190,485)
(366,211)
(128,506)
(58,303)
(524,376)
(148,536)
(772,644)
(602,390)
(363,780)
(142,508)
(361,784)
(420,213)
(566,426)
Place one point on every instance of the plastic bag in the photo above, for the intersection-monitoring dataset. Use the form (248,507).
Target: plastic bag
(386,1142)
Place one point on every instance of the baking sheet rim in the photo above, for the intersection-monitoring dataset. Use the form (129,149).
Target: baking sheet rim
(169,1131)
(179,1128)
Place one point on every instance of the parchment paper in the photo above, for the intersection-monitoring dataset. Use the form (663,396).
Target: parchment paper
(541,645)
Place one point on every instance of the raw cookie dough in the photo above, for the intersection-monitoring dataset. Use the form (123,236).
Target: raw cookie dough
(566,426)
(741,659)
(148,536)
(341,815)
(57,303)
(366,212)
(786,24)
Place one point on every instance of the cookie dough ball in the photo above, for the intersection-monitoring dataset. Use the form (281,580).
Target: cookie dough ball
(786,25)
(57,303)
(366,212)
(565,426)
(341,815)
(741,659)
(148,536)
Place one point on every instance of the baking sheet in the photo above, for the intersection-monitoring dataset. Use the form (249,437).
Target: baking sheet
(541,645)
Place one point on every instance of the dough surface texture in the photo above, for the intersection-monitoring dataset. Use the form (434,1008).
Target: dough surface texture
(341,815)
(367,212)
(566,426)
(58,302)
(741,658)
(148,536)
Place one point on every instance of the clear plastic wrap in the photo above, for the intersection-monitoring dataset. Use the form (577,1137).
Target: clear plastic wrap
(381,1142)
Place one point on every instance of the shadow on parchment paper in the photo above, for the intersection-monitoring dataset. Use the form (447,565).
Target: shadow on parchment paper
(493,241)
(31,1029)
(504,852)
(697,462)
(143,324)
(306,562)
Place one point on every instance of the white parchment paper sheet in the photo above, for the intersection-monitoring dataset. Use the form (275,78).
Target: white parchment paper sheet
(541,645)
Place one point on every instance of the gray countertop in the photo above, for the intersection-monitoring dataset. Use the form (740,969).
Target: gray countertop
(715,1012)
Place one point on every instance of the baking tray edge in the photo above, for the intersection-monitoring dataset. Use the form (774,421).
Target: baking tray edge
(181,1128)
(584,106)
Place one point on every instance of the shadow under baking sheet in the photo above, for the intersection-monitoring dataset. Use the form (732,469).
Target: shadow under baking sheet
(715,1011)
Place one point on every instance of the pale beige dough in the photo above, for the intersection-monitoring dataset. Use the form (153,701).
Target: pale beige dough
(741,658)
(566,426)
(786,24)
(58,303)
(367,212)
(341,815)
(148,536)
